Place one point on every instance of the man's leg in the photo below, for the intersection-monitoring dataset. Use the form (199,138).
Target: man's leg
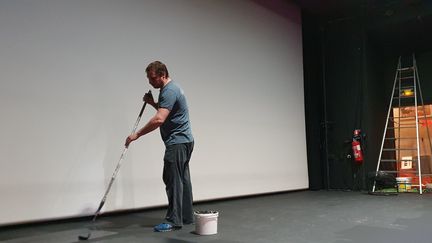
(187,210)
(172,177)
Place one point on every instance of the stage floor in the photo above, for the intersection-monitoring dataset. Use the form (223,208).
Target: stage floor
(297,217)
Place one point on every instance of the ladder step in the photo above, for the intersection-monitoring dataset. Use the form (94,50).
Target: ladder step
(402,117)
(408,77)
(413,172)
(405,87)
(406,69)
(395,149)
(403,97)
(398,160)
(401,127)
(398,138)
(402,123)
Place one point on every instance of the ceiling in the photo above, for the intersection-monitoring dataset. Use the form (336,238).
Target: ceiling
(334,9)
(396,24)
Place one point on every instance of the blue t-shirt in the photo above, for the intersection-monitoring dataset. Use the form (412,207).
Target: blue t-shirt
(176,128)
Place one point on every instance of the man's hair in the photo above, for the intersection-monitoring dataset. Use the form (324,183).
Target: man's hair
(159,68)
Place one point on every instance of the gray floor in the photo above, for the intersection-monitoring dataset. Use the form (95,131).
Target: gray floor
(305,216)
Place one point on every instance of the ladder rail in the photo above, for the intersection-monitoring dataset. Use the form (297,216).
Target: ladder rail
(424,108)
(398,150)
(388,115)
(417,79)
(417,130)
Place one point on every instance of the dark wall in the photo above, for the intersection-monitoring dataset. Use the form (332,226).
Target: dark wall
(313,86)
(343,62)
(349,75)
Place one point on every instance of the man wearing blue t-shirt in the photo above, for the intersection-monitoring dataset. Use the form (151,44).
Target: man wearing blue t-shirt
(172,117)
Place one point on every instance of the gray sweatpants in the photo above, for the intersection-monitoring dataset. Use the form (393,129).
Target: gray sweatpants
(178,184)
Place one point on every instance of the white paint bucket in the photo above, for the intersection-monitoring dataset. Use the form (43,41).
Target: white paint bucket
(404,184)
(206,222)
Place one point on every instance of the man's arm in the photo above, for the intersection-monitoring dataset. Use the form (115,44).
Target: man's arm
(152,124)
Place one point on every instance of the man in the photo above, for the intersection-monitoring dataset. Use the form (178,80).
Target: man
(172,117)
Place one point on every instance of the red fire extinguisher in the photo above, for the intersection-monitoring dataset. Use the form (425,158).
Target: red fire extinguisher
(356,147)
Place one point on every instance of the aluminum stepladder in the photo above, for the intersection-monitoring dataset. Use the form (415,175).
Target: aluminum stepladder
(394,154)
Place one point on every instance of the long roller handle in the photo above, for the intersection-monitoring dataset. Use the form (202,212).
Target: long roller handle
(119,163)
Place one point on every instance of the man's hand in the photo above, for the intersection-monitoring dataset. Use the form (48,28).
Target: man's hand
(131,138)
(148,97)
